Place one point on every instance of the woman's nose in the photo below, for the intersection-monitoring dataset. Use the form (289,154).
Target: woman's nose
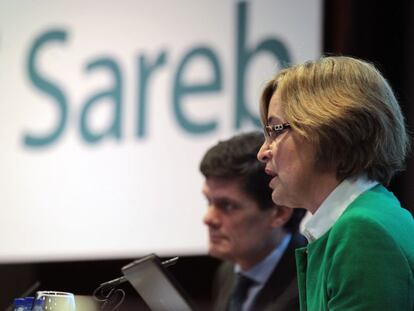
(264,153)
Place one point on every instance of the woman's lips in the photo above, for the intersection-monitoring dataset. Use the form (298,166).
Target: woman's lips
(272,174)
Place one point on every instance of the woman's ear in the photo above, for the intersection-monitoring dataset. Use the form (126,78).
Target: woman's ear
(280,215)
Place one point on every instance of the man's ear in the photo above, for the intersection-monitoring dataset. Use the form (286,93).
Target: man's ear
(280,215)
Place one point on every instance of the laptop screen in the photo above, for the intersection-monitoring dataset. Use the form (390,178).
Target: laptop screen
(156,285)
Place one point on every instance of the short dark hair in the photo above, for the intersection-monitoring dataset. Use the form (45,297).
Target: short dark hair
(236,159)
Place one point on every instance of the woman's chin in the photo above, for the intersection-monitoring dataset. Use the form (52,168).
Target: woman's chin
(279,199)
(276,197)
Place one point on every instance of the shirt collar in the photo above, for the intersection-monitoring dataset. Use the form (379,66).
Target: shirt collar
(314,226)
(262,271)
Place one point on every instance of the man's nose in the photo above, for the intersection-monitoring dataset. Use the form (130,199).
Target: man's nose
(211,217)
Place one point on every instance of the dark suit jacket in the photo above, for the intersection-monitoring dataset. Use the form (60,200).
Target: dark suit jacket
(280,293)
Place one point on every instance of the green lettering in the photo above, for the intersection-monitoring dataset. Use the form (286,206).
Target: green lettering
(46,86)
(181,89)
(115,93)
(145,72)
(244,56)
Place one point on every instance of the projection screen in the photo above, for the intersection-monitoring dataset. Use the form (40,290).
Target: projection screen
(108,106)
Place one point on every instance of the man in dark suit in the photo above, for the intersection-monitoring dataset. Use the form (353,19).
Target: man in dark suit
(255,238)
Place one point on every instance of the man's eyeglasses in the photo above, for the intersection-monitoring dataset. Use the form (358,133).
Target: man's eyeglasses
(273,131)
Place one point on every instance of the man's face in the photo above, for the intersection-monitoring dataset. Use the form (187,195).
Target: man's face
(238,230)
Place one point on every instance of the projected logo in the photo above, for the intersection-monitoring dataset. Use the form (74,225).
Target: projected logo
(148,68)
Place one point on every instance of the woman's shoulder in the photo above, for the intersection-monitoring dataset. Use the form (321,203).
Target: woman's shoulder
(377,205)
(376,213)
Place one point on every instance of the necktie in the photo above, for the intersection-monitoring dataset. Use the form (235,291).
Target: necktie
(239,293)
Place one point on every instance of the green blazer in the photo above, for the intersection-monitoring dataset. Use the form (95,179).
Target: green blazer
(364,262)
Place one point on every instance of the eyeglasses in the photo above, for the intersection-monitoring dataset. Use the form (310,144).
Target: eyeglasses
(273,131)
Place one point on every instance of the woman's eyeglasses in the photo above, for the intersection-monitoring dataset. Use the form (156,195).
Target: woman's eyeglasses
(273,131)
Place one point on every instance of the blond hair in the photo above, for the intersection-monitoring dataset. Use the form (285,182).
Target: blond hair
(348,111)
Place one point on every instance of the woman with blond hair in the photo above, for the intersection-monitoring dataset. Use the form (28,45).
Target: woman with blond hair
(335,137)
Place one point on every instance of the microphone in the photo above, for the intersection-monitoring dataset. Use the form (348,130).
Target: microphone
(114,282)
